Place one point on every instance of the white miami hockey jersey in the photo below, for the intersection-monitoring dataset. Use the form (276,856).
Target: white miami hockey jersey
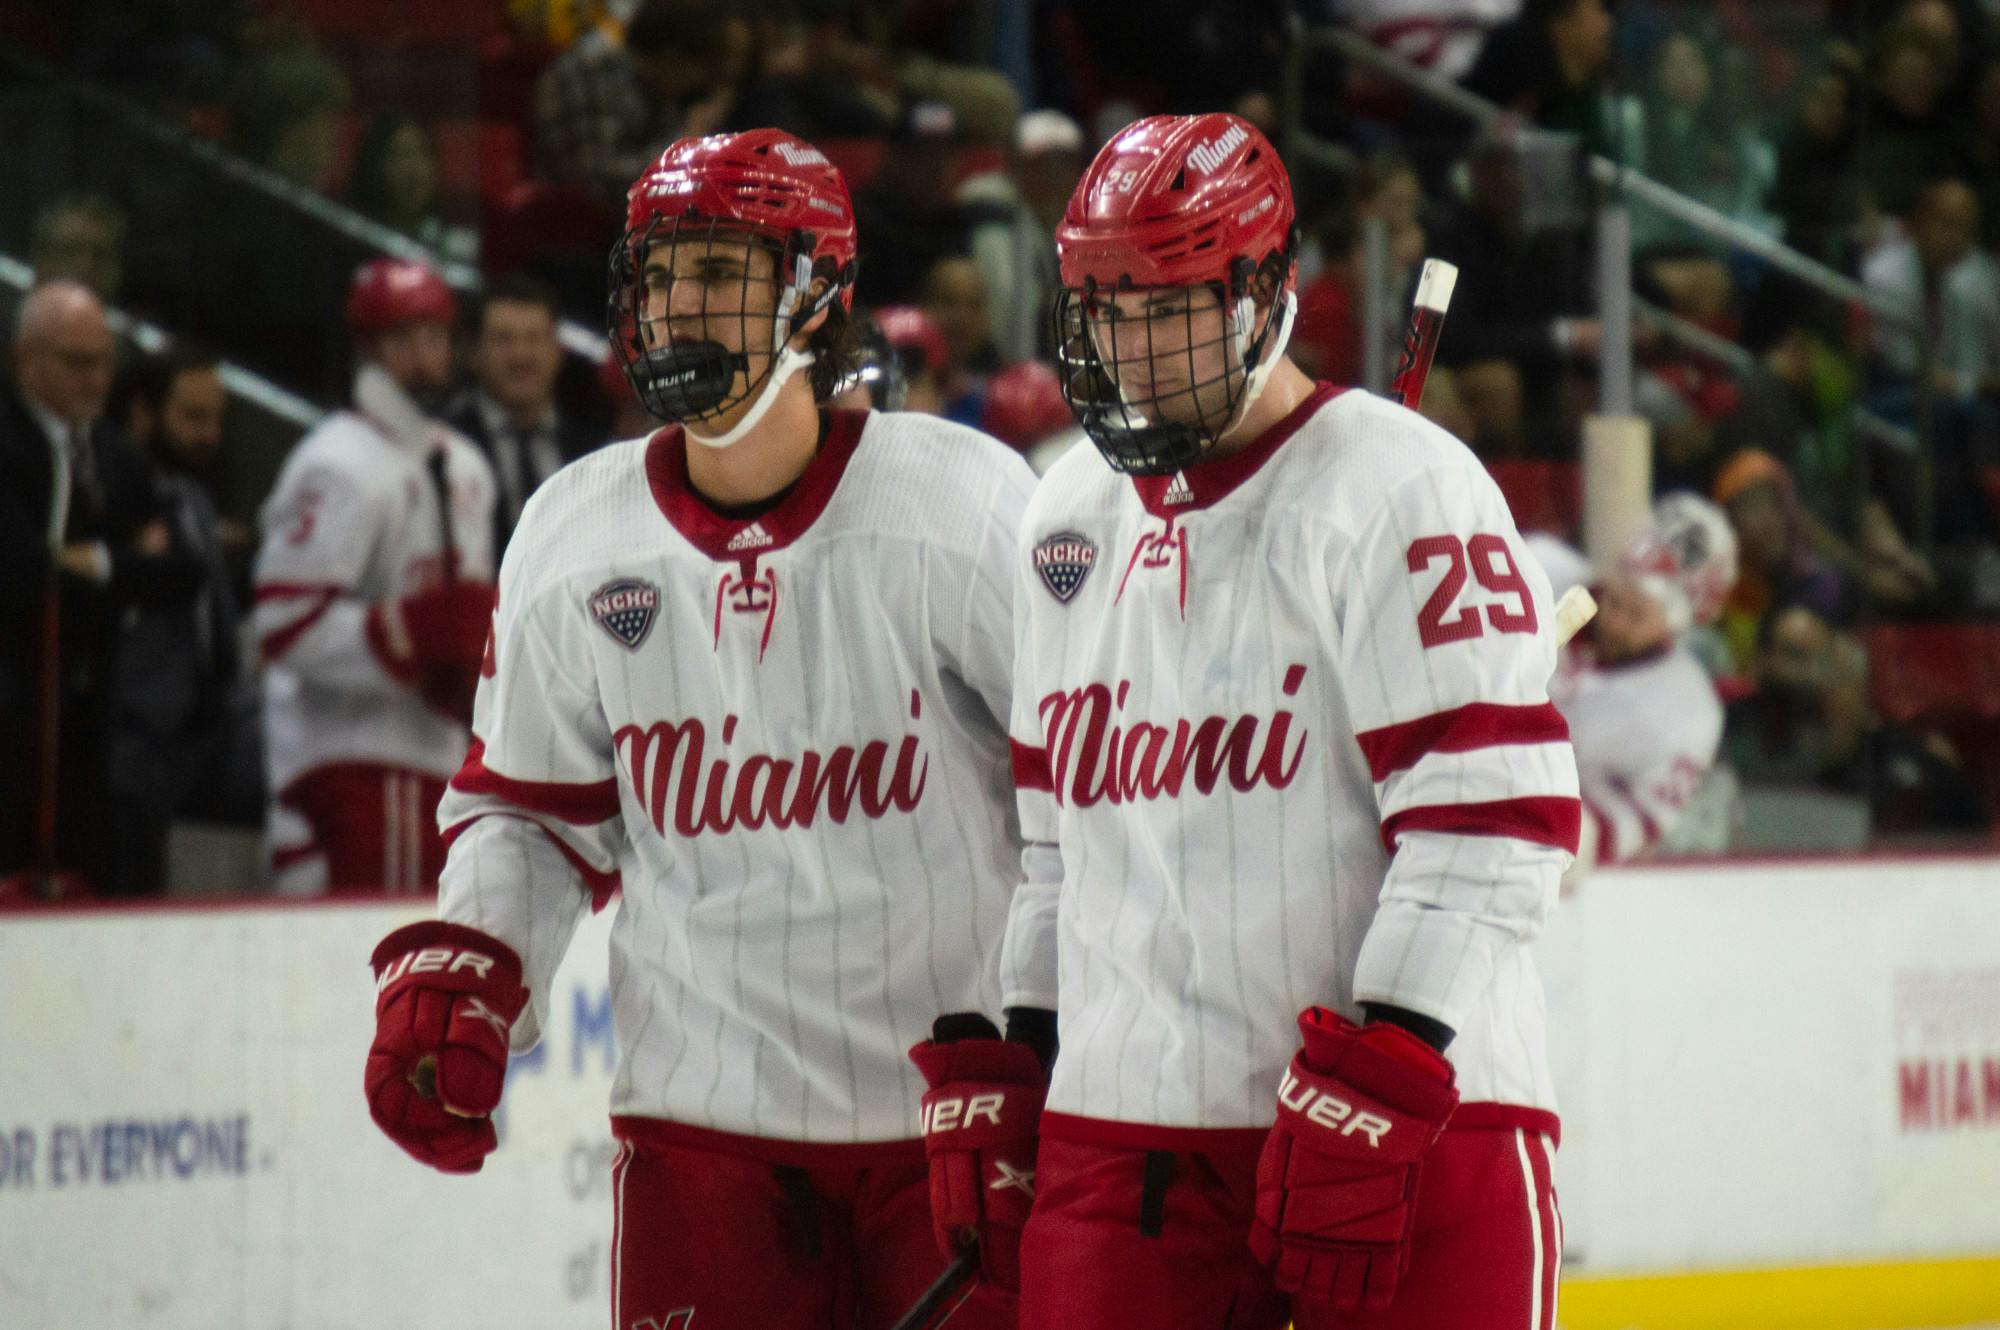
(1646,733)
(1283,737)
(786,738)
(354,520)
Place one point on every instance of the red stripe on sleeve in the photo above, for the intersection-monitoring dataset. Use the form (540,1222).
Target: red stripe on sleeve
(578,803)
(603,886)
(276,643)
(1543,819)
(1031,767)
(1399,747)
(292,590)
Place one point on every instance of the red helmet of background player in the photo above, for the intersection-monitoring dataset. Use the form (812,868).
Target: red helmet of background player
(388,293)
(910,328)
(1175,201)
(762,184)
(1024,405)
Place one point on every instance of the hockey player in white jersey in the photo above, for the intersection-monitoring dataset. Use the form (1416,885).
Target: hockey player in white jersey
(374,592)
(1642,711)
(1296,802)
(753,670)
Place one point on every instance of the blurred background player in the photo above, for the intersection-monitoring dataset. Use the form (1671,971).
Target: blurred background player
(374,594)
(751,668)
(1288,771)
(1642,711)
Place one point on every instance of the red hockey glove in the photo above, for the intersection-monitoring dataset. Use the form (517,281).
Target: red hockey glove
(435,640)
(1337,1183)
(979,1121)
(445,998)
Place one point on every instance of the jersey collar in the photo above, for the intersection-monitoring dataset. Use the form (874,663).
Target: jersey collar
(725,538)
(1207,483)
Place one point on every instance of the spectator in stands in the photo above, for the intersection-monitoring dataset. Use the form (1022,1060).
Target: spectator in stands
(1980,152)
(73,566)
(285,106)
(184,732)
(1776,566)
(1520,316)
(374,599)
(1808,722)
(1908,140)
(1936,269)
(1696,142)
(1798,405)
(608,106)
(955,298)
(395,182)
(1913,781)
(907,214)
(1327,341)
(80,237)
(1552,66)
(1012,219)
(511,410)
(1819,195)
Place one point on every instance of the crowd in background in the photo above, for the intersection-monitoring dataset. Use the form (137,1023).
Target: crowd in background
(502,134)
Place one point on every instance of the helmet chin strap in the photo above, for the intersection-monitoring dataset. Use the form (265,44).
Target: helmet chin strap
(1260,373)
(787,363)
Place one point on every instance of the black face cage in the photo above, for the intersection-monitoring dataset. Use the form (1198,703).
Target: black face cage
(1158,416)
(686,376)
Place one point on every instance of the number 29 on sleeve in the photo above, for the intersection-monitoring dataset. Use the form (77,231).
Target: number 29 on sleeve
(1493,567)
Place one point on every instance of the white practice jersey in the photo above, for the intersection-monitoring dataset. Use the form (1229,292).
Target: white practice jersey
(786,738)
(1283,738)
(354,520)
(1646,734)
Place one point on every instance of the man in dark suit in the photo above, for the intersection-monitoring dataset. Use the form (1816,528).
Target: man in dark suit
(511,411)
(81,537)
(185,717)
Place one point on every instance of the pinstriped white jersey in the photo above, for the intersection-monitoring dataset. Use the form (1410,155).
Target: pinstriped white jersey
(786,738)
(1283,737)
(353,520)
(1646,734)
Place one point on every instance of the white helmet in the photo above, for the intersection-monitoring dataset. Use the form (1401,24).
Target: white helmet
(1685,559)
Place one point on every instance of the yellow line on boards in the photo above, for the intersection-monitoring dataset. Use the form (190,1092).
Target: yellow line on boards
(1825,1297)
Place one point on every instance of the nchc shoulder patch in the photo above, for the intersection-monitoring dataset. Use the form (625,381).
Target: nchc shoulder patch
(1064,560)
(626,609)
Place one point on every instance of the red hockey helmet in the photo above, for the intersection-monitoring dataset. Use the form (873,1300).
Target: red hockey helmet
(909,328)
(1177,202)
(388,293)
(1024,405)
(761,187)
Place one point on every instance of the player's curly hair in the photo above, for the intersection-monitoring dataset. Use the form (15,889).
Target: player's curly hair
(836,348)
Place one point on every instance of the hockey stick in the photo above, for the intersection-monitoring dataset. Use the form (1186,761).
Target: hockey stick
(441,488)
(1420,344)
(1576,608)
(1434,288)
(946,1294)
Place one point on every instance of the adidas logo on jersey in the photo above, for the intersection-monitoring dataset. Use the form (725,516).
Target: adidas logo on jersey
(752,537)
(1178,492)
(1208,156)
